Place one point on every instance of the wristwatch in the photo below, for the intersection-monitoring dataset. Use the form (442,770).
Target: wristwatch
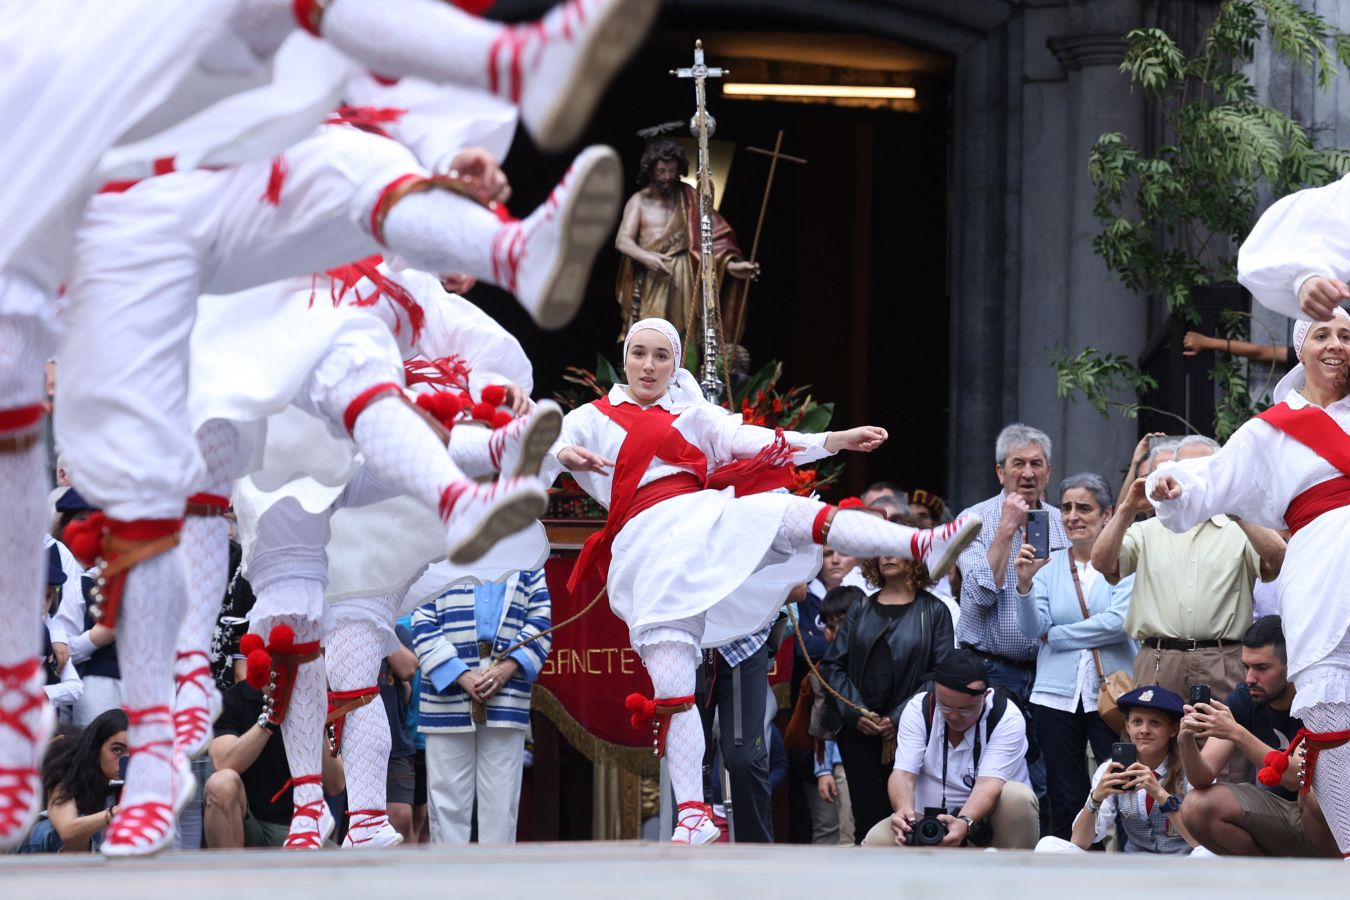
(1092,805)
(970,823)
(1171,804)
(266,724)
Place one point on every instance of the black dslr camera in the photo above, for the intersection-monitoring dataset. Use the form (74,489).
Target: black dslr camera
(929,830)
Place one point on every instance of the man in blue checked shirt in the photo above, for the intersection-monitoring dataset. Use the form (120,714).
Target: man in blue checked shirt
(734,684)
(988,622)
(474,706)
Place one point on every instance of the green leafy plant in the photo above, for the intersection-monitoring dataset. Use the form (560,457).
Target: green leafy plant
(1172,218)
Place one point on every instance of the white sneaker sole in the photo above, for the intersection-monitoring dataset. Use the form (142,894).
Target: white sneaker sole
(45,725)
(619,33)
(968,531)
(509,515)
(540,433)
(586,224)
(701,837)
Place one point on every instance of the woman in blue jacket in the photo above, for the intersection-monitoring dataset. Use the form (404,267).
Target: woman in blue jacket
(1064,698)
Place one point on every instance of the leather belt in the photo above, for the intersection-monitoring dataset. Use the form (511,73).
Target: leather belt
(1184,644)
(1025,665)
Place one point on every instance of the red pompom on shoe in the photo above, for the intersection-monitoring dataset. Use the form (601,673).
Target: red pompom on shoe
(259,669)
(494,394)
(282,638)
(501,418)
(249,643)
(483,412)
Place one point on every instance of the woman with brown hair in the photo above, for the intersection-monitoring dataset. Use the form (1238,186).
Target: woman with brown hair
(884,648)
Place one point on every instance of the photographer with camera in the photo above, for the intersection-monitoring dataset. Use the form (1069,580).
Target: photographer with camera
(961,758)
(1253,819)
(84,786)
(1141,786)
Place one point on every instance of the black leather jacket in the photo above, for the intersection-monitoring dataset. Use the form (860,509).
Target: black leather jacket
(917,641)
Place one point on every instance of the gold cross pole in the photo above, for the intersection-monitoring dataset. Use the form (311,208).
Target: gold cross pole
(774,156)
(712,383)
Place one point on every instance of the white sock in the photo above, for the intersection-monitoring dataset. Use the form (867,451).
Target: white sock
(672,666)
(302,730)
(1331,777)
(869,536)
(440,231)
(147,631)
(402,452)
(353,655)
(24,482)
(206,547)
(471,452)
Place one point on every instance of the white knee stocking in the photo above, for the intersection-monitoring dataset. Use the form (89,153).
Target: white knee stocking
(24,481)
(403,453)
(426,38)
(353,657)
(206,547)
(147,631)
(672,666)
(470,451)
(861,534)
(440,231)
(1331,777)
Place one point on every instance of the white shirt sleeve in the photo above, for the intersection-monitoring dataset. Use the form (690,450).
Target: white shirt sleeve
(1106,816)
(911,740)
(1005,757)
(1304,234)
(68,690)
(68,617)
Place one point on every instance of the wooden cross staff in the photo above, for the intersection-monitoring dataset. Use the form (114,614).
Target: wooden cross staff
(775,154)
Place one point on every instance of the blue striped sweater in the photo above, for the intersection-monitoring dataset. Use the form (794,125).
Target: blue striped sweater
(445,638)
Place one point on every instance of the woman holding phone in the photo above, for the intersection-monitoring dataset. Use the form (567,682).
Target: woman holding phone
(1076,618)
(1144,795)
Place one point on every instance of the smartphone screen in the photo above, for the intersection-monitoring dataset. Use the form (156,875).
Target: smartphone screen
(1038,531)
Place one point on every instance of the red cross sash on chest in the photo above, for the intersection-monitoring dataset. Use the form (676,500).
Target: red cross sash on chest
(1319,432)
(651,434)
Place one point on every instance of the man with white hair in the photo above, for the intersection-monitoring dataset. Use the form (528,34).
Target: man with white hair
(1192,598)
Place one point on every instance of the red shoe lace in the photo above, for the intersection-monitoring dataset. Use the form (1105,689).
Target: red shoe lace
(305,840)
(373,819)
(190,721)
(18,785)
(140,824)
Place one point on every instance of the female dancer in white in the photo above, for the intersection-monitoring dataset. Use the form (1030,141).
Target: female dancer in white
(1290,467)
(691,563)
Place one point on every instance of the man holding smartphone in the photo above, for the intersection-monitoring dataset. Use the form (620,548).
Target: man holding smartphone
(988,623)
(1252,819)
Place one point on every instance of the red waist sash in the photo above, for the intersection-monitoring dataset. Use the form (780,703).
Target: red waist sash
(1316,500)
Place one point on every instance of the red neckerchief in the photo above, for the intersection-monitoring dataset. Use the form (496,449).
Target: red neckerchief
(651,433)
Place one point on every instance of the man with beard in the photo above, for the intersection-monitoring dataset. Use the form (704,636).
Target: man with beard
(1256,819)
(660,242)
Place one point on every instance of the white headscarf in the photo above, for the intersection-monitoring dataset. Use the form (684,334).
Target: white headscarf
(1297,378)
(683,388)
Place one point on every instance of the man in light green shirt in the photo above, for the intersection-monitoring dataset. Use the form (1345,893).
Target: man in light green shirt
(1192,597)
